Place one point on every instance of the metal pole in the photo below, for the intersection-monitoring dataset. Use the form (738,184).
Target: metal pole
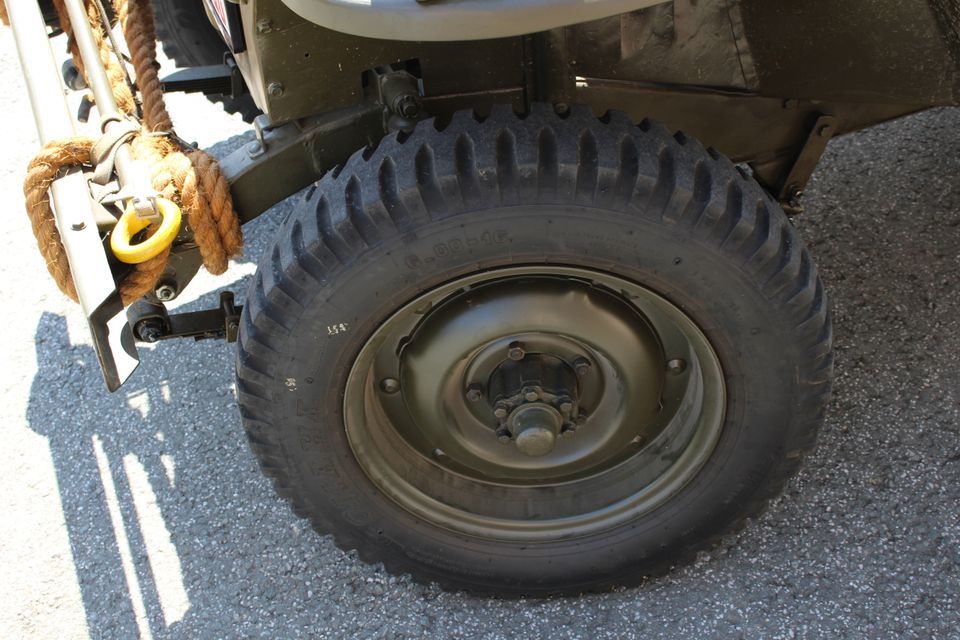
(100,85)
(43,81)
(70,196)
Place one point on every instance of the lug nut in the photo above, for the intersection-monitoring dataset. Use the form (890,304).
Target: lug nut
(515,351)
(531,395)
(474,392)
(390,385)
(566,407)
(500,412)
(503,435)
(581,366)
(676,366)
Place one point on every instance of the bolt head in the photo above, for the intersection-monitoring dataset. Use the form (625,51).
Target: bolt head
(275,89)
(474,393)
(407,106)
(515,352)
(150,332)
(264,25)
(390,385)
(531,395)
(676,366)
(500,412)
(581,366)
(165,293)
(566,407)
(503,435)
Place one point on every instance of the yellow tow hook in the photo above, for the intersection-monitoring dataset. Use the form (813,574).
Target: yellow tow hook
(130,224)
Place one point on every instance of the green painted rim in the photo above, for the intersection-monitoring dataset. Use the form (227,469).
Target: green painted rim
(653,399)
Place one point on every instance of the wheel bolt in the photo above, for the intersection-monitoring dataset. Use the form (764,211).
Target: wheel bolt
(503,435)
(581,366)
(390,385)
(475,392)
(676,366)
(500,412)
(515,351)
(566,407)
(531,395)
(568,430)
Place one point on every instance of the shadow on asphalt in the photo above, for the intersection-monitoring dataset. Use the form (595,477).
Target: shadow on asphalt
(102,524)
(126,469)
(156,481)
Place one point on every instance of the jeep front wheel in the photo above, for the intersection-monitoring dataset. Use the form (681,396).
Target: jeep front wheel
(533,354)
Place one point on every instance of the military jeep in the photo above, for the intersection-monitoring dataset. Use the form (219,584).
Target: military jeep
(541,322)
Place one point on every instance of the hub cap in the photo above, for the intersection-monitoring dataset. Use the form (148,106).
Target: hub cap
(534,403)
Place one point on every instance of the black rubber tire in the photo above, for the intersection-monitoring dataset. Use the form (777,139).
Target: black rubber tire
(655,208)
(188,38)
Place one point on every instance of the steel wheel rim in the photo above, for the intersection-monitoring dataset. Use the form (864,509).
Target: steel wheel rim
(425,444)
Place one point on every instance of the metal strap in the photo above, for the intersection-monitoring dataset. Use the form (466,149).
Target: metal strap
(104,152)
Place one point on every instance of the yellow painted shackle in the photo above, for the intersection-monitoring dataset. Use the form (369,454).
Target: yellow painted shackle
(130,224)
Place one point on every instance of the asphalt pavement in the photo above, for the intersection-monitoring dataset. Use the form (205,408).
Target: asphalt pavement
(143,513)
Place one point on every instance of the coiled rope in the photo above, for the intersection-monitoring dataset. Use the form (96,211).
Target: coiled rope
(187,176)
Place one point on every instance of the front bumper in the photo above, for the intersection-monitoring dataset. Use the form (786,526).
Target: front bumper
(112,337)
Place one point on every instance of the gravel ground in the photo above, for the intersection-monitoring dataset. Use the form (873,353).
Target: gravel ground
(143,512)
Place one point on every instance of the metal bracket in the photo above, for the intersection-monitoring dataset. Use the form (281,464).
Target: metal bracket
(258,147)
(399,92)
(791,191)
(216,79)
(152,323)
(289,157)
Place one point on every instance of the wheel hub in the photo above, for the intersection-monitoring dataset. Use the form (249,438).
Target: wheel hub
(533,398)
(518,341)
(535,426)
